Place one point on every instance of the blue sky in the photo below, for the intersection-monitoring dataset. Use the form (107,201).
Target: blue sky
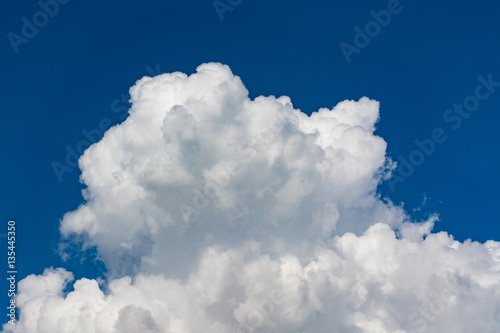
(69,76)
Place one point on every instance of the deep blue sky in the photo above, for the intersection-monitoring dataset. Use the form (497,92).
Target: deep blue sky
(427,58)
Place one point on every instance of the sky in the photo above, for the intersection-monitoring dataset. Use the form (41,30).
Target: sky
(421,81)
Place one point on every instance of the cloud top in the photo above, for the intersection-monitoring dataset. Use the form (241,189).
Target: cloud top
(198,163)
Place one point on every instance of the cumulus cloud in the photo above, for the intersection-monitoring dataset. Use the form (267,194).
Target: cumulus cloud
(198,163)
(217,213)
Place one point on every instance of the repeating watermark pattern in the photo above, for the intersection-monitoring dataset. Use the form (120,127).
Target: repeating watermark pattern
(373,28)
(30,27)
(205,195)
(118,106)
(11,271)
(453,117)
(221,7)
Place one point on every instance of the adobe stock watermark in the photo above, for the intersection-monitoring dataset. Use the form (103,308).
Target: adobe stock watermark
(118,106)
(221,178)
(11,271)
(31,26)
(373,28)
(223,6)
(429,313)
(260,313)
(454,117)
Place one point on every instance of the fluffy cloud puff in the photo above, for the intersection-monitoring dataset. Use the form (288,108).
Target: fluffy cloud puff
(197,163)
(375,282)
(217,213)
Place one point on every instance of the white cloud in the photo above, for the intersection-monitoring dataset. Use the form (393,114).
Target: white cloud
(369,283)
(198,163)
(217,213)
